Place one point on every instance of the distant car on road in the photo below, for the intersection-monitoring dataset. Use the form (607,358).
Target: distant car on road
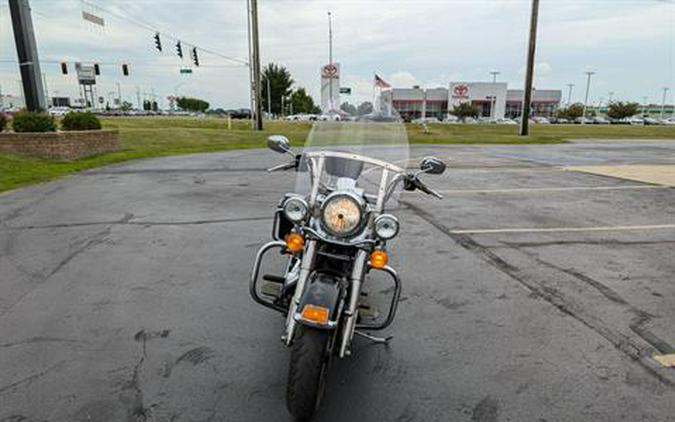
(426,120)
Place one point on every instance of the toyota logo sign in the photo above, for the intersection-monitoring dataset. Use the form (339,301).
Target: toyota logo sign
(461,91)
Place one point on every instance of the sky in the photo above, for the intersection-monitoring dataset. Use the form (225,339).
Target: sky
(630,44)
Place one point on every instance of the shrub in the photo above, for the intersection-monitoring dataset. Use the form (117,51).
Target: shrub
(80,121)
(31,121)
(3,121)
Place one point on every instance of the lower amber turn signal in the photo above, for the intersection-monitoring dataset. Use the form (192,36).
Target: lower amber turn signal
(378,259)
(295,242)
(315,314)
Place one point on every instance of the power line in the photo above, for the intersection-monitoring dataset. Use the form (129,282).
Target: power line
(149,27)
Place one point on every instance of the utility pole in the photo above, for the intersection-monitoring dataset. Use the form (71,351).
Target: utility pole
(588,90)
(119,95)
(663,103)
(256,65)
(331,106)
(251,91)
(26,50)
(529,74)
(569,94)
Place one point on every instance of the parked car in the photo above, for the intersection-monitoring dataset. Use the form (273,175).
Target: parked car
(600,121)
(651,121)
(451,118)
(59,111)
(426,120)
(541,120)
(584,120)
(505,121)
(668,122)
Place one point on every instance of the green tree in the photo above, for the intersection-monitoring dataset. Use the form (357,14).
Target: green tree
(620,110)
(191,104)
(348,108)
(464,110)
(280,83)
(302,102)
(571,112)
(126,106)
(364,108)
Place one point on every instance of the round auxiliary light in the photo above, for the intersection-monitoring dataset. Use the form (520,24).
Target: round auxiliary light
(341,214)
(386,226)
(295,209)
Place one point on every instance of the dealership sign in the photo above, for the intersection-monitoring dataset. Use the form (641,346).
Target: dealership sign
(330,71)
(460,91)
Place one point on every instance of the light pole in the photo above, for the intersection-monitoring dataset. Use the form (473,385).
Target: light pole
(529,74)
(493,102)
(611,96)
(645,109)
(588,90)
(331,106)
(569,94)
(269,98)
(663,103)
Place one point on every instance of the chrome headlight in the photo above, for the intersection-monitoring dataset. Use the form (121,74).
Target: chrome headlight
(295,209)
(386,226)
(341,214)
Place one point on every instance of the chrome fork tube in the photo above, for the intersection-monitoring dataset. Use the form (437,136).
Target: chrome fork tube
(305,269)
(358,272)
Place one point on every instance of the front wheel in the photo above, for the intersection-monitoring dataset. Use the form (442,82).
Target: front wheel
(307,371)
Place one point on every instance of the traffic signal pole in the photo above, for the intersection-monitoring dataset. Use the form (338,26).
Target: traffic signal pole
(529,75)
(26,50)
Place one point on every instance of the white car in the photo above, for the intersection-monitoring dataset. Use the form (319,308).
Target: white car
(59,111)
(426,120)
(506,121)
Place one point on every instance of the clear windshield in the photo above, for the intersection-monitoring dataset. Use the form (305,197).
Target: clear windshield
(364,156)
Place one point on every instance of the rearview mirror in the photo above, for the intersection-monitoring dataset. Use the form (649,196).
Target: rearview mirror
(279,143)
(432,165)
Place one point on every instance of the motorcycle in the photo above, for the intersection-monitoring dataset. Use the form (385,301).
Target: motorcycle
(334,228)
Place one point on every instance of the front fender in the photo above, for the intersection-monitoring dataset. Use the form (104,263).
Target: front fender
(323,291)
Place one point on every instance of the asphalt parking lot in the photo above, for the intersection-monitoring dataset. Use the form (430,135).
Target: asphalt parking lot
(532,292)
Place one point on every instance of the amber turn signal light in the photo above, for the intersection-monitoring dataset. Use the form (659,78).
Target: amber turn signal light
(315,314)
(295,242)
(378,259)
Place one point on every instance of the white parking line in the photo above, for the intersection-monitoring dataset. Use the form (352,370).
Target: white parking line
(558,189)
(564,229)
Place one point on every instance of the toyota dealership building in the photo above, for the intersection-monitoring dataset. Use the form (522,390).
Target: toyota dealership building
(494,100)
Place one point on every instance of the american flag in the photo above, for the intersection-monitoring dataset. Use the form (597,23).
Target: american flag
(380,83)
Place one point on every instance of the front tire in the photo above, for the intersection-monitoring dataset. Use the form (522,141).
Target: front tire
(307,371)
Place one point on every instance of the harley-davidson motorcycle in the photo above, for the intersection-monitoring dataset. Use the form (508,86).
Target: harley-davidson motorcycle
(334,229)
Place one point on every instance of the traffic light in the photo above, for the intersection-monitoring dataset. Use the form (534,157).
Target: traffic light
(64,68)
(195,59)
(125,69)
(179,50)
(158,42)
(97,70)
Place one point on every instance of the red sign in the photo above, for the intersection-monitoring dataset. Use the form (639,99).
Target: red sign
(329,71)
(460,91)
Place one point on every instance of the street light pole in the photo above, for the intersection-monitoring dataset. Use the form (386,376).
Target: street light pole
(529,74)
(663,103)
(493,102)
(331,106)
(569,94)
(588,90)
